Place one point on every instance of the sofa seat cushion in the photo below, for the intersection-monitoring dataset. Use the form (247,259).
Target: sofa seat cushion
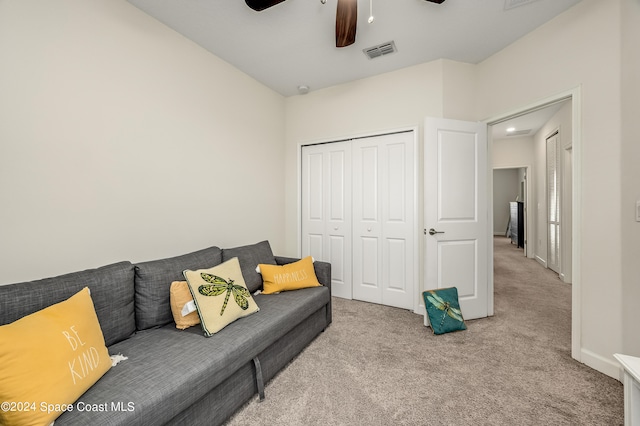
(111,291)
(169,369)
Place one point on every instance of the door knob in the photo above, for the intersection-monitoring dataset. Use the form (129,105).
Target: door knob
(434,232)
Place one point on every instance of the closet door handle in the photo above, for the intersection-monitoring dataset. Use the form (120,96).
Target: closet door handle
(434,232)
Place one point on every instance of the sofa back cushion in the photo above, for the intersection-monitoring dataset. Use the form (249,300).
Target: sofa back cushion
(250,256)
(153,284)
(112,293)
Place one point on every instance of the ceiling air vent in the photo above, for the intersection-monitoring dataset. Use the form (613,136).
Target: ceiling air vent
(510,4)
(380,50)
(519,132)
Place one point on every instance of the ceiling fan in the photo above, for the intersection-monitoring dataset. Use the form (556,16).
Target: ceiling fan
(346,17)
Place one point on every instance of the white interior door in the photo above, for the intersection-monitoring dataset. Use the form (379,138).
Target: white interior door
(383,219)
(326,210)
(456,212)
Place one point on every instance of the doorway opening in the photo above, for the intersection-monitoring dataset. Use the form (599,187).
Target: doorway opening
(511,203)
(512,144)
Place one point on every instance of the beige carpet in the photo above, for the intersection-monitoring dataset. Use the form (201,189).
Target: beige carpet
(377,365)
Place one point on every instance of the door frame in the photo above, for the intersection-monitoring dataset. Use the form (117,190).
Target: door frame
(417,196)
(574,95)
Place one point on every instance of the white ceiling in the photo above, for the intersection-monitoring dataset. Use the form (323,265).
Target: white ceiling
(525,125)
(293,43)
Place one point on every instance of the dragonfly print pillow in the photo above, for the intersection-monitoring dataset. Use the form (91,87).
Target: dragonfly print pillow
(443,310)
(220,295)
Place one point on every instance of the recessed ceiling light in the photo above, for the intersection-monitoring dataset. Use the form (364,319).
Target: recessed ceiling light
(511,129)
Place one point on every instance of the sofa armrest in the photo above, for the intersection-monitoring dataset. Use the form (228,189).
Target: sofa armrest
(323,273)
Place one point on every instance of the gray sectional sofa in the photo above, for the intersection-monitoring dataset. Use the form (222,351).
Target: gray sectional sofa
(176,376)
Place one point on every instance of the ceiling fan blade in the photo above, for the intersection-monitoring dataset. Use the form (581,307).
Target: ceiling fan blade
(346,21)
(436,1)
(259,5)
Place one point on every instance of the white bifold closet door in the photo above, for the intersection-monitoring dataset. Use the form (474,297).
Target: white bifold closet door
(358,212)
(383,220)
(326,210)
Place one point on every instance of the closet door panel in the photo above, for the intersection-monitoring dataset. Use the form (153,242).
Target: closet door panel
(338,227)
(396,272)
(395,188)
(315,246)
(338,169)
(313,206)
(367,184)
(326,210)
(366,226)
(340,273)
(398,226)
(368,267)
(383,203)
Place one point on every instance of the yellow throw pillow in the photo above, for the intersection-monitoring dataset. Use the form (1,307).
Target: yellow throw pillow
(49,359)
(292,276)
(221,295)
(179,296)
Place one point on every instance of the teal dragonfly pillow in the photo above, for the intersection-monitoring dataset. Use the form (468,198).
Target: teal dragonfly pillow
(443,310)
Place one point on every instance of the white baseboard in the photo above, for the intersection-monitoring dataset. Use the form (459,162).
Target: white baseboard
(541,261)
(604,365)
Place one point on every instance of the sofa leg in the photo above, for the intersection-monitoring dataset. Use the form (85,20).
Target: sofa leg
(259,379)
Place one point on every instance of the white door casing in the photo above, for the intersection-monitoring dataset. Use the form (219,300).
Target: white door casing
(456,174)
(326,210)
